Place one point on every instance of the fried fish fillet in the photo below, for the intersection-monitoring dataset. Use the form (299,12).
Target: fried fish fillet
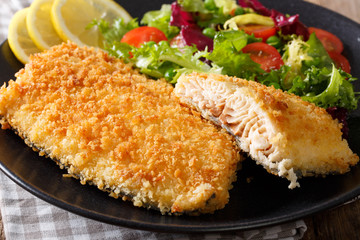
(112,127)
(288,136)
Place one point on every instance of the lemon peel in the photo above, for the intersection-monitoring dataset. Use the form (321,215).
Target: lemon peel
(71,18)
(18,37)
(40,27)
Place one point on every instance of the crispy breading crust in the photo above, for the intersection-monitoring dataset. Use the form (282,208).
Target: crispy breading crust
(113,127)
(303,138)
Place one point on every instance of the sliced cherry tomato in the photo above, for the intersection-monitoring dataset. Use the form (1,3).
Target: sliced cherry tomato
(264,54)
(340,61)
(260,31)
(331,42)
(140,35)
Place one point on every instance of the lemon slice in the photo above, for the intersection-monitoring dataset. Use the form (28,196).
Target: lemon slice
(19,39)
(71,18)
(39,25)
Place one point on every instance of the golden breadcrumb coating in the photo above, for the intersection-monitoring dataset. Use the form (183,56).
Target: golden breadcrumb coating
(113,127)
(288,136)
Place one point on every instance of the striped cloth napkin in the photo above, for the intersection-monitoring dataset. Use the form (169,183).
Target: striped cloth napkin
(25,216)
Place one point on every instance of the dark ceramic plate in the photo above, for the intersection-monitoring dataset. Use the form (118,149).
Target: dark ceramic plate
(264,201)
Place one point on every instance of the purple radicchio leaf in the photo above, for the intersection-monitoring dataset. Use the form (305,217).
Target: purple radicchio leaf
(195,36)
(179,17)
(287,25)
(341,115)
(191,33)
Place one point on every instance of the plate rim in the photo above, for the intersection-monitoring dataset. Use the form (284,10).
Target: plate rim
(181,229)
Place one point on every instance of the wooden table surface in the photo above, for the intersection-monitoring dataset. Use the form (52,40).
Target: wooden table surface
(342,222)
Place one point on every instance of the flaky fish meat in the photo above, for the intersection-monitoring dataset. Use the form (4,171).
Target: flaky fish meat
(110,126)
(291,138)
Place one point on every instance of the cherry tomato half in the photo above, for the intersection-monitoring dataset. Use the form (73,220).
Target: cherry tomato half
(140,35)
(340,61)
(331,42)
(267,56)
(260,31)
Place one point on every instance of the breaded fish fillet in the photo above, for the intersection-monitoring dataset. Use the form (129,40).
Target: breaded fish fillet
(288,136)
(112,127)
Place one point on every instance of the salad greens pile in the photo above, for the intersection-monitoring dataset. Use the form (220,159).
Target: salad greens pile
(206,46)
(309,72)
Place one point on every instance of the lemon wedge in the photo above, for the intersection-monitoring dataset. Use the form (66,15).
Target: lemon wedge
(39,25)
(19,39)
(71,18)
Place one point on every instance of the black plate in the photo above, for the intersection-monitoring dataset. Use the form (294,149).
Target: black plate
(264,201)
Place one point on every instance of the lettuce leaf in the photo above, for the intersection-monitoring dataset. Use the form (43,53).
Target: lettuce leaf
(161,20)
(226,5)
(207,16)
(227,54)
(193,6)
(339,92)
(310,73)
(320,57)
(114,32)
(156,60)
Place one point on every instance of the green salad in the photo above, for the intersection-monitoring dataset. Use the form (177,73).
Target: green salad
(242,39)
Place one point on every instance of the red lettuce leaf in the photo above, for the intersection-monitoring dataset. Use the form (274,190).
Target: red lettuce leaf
(341,115)
(287,25)
(191,33)
(290,25)
(195,36)
(180,18)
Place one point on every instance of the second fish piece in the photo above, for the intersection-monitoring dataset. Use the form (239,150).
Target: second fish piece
(291,138)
